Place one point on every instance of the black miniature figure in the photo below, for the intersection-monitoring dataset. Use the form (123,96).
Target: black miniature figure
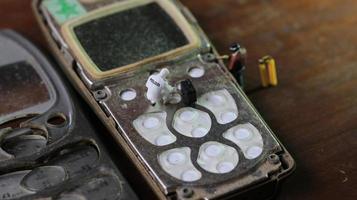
(188,92)
(237,62)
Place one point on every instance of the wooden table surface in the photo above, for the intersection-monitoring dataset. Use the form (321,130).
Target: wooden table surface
(313,111)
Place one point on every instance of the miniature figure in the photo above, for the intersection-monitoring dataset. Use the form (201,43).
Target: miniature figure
(158,87)
(237,62)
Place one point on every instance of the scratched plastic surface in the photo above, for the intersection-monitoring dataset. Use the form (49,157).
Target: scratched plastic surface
(20,143)
(94,188)
(21,88)
(78,160)
(68,164)
(48,145)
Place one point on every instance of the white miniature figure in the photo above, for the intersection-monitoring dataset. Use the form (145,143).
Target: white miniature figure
(158,87)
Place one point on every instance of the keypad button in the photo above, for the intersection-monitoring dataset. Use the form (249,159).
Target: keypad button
(152,127)
(242,134)
(151,123)
(253,152)
(176,158)
(217,158)
(225,167)
(247,138)
(221,104)
(192,122)
(190,175)
(177,162)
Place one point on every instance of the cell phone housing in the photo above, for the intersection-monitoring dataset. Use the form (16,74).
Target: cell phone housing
(108,51)
(50,146)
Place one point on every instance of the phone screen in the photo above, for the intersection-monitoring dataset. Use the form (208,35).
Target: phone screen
(130,36)
(21,87)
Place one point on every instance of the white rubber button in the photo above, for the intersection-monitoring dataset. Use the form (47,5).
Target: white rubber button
(196,72)
(199,132)
(151,123)
(176,158)
(128,94)
(228,117)
(254,152)
(187,115)
(225,167)
(242,134)
(216,100)
(164,140)
(213,150)
(190,175)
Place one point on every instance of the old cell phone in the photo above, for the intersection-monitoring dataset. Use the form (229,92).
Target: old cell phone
(49,147)
(217,147)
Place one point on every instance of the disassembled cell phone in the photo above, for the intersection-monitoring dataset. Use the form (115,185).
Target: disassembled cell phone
(48,147)
(204,139)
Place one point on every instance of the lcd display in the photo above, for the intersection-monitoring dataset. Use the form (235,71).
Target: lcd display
(129,36)
(21,87)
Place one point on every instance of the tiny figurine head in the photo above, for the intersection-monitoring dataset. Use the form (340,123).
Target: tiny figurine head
(234,47)
(164,72)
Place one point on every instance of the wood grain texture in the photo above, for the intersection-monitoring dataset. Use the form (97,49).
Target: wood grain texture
(313,111)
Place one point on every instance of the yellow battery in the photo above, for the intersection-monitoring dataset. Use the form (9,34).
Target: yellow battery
(273,79)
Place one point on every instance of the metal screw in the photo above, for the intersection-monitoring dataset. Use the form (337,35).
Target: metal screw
(274,159)
(209,57)
(100,95)
(187,192)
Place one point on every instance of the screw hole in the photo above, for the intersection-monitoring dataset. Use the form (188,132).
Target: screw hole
(100,94)
(273,158)
(187,192)
(57,120)
(209,57)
